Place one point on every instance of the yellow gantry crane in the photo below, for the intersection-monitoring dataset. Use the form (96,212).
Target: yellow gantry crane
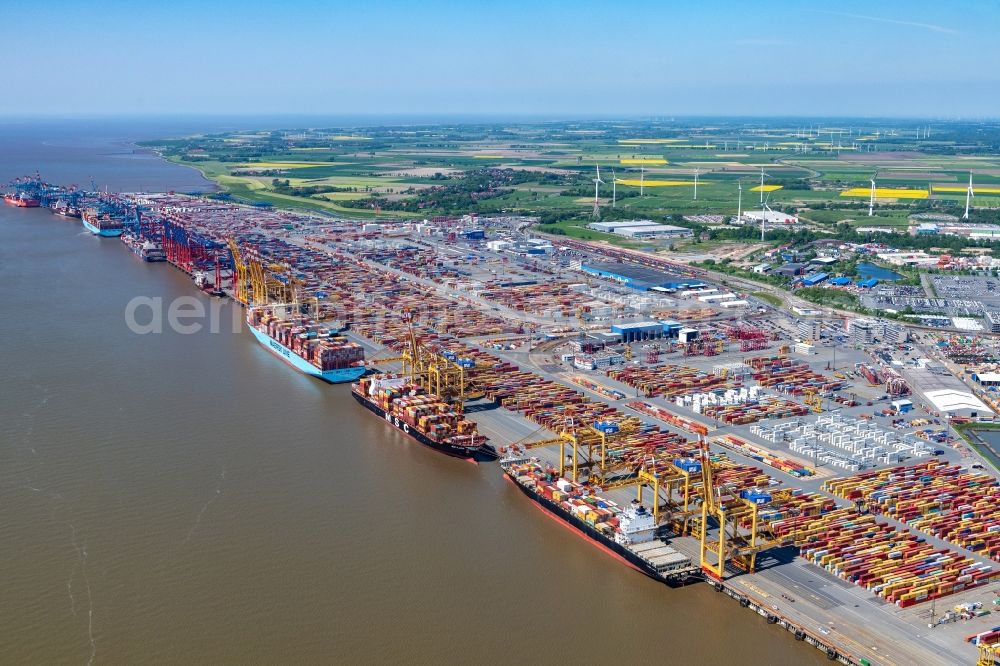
(988,655)
(240,277)
(814,401)
(590,445)
(258,282)
(441,373)
(673,494)
(741,532)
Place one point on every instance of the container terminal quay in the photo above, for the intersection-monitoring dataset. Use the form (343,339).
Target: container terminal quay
(806,464)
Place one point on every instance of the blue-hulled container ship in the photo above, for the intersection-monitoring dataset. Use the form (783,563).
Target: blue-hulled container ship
(307,346)
(101,224)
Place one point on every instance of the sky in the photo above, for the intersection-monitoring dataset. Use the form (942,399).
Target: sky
(566,59)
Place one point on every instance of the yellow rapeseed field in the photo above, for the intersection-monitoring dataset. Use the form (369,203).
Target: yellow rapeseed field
(885,193)
(977,190)
(766,188)
(644,160)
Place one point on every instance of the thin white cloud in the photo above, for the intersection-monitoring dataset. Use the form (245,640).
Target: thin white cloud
(878,19)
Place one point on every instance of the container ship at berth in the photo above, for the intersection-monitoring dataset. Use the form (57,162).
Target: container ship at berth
(65,209)
(146,250)
(21,200)
(628,534)
(101,225)
(423,416)
(307,346)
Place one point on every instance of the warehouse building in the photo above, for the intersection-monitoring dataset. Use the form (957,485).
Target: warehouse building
(671,327)
(639,277)
(954,403)
(824,261)
(643,330)
(814,279)
(789,270)
(641,229)
(770,216)
(987,378)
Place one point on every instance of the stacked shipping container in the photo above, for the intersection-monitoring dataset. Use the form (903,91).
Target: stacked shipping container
(946,501)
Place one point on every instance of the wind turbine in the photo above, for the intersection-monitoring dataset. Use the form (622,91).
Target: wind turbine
(642,177)
(597,191)
(969,194)
(739,201)
(696,171)
(614,189)
(871,203)
(762,174)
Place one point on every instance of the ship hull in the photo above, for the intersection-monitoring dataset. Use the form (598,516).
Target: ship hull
(475,455)
(23,203)
(103,233)
(338,376)
(596,537)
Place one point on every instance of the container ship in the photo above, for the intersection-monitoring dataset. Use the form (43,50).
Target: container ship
(64,209)
(21,200)
(101,225)
(307,346)
(146,250)
(423,416)
(629,534)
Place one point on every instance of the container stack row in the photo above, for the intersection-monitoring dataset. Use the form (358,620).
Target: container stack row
(767,408)
(669,380)
(657,412)
(947,501)
(550,299)
(791,377)
(894,564)
(769,458)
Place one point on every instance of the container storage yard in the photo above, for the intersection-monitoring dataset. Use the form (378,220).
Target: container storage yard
(696,449)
